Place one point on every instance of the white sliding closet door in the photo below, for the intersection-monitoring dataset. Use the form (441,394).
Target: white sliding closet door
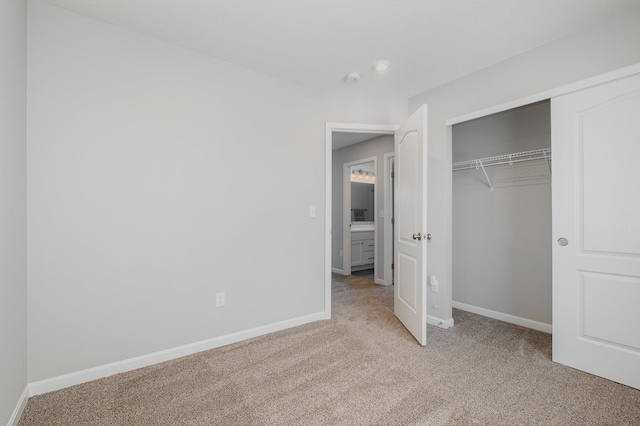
(596,230)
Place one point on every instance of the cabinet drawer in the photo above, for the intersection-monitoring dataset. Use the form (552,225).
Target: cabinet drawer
(361,236)
(369,245)
(367,258)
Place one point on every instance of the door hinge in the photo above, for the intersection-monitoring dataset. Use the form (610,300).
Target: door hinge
(392,266)
(393,175)
(393,220)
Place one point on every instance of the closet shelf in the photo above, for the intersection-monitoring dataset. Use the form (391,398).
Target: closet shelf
(516,157)
(537,154)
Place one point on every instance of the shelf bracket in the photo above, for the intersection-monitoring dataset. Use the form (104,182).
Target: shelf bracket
(548,158)
(480,165)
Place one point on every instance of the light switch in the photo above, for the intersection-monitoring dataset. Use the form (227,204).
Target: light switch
(381,213)
(434,283)
(312,211)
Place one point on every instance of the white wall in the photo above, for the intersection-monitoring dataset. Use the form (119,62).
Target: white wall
(13,284)
(158,177)
(375,147)
(600,49)
(501,239)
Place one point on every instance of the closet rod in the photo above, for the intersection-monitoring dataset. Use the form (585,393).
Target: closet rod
(517,157)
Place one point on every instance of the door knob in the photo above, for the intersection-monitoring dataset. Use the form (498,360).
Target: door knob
(417,236)
(428,237)
(563,241)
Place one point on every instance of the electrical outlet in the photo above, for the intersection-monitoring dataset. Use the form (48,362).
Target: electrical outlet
(220,299)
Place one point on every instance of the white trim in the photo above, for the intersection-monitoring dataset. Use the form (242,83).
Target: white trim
(363,128)
(380,281)
(328,152)
(338,271)
(446,290)
(83,376)
(17,412)
(431,320)
(548,94)
(329,129)
(347,254)
(388,215)
(511,319)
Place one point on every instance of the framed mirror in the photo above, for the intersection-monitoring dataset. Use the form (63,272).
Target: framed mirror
(363,182)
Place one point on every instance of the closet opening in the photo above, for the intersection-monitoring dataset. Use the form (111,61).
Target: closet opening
(501,205)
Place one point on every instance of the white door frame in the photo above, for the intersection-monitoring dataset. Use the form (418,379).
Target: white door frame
(388,215)
(563,90)
(329,129)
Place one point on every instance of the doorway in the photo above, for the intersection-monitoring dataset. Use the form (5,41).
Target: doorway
(360,223)
(333,221)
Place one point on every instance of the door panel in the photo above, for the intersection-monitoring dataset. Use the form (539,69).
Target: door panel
(356,253)
(410,255)
(600,299)
(408,176)
(408,273)
(596,206)
(610,142)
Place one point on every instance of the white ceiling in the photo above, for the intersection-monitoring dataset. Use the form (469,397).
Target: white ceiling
(315,43)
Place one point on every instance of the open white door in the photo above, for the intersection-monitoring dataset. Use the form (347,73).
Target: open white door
(410,254)
(596,230)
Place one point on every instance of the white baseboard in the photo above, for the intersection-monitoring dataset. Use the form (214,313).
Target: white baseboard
(524,322)
(338,271)
(17,412)
(439,322)
(83,376)
(381,282)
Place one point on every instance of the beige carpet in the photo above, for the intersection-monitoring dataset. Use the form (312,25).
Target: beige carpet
(361,367)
